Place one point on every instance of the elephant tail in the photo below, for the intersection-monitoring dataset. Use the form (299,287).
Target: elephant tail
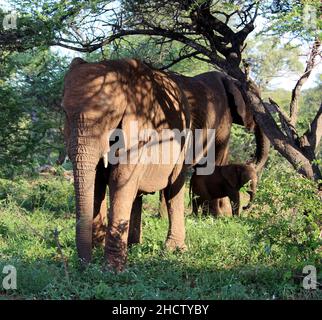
(262,149)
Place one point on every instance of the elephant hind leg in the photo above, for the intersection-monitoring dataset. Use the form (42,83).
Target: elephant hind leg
(174,195)
(135,231)
(99,229)
(221,207)
(207,208)
(163,211)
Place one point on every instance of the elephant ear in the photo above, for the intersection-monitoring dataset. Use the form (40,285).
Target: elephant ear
(240,112)
(230,174)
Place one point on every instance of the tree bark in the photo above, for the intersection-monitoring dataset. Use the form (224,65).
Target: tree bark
(297,89)
(281,143)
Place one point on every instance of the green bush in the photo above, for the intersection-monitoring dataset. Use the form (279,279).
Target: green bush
(242,144)
(54,194)
(288,212)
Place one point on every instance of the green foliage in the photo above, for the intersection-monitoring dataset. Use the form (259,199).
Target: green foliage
(38,23)
(256,256)
(31,121)
(293,211)
(146,49)
(55,194)
(269,59)
(242,144)
(300,18)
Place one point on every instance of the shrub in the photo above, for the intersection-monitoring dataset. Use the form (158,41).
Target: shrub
(54,194)
(288,212)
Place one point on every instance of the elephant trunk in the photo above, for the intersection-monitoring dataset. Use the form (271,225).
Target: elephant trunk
(262,148)
(85,159)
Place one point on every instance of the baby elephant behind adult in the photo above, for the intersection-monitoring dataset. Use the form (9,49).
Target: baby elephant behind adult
(226,181)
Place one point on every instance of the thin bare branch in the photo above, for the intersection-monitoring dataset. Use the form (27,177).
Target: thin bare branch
(179,59)
(294,107)
(287,127)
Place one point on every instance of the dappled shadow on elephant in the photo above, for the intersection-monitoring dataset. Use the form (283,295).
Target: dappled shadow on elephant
(216,102)
(109,95)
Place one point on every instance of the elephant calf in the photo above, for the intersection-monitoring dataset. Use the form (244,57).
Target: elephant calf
(226,181)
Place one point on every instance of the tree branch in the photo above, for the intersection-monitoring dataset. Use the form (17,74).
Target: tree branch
(288,128)
(180,58)
(294,107)
(152,32)
(283,144)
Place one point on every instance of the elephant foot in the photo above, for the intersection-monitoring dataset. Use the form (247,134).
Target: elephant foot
(173,245)
(116,248)
(116,262)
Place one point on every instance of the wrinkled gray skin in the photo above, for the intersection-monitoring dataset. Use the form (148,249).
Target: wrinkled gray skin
(216,102)
(103,96)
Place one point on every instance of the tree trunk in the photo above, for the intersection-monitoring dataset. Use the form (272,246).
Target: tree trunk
(281,143)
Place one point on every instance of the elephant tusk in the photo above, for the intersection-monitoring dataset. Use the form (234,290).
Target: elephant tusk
(105,160)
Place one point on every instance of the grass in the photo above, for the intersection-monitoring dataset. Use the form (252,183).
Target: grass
(227,258)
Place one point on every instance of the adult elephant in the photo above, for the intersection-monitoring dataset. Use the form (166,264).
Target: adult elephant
(230,102)
(109,95)
(230,106)
(217,96)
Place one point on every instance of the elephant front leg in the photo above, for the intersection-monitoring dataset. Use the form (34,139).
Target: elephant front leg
(174,195)
(100,208)
(135,231)
(121,200)
(235,202)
